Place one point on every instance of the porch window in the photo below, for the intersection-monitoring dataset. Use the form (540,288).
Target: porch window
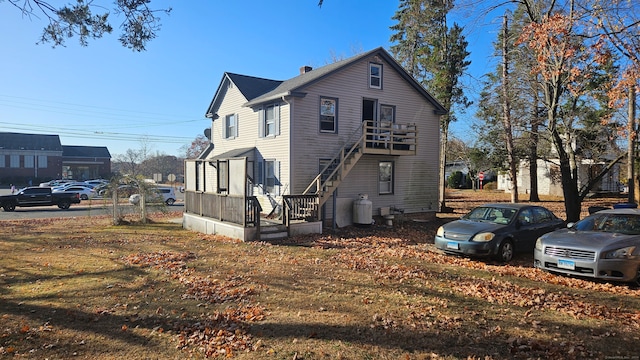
(230,126)
(385,177)
(375,76)
(271,174)
(328,115)
(269,121)
(223,176)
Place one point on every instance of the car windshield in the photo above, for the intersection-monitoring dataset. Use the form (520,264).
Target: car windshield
(618,223)
(492,214)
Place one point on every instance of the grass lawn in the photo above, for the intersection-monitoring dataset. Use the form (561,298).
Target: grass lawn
(82,288)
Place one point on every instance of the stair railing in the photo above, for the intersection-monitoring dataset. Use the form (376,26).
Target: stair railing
(343,154)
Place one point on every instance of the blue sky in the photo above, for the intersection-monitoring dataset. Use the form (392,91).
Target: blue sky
(108,95)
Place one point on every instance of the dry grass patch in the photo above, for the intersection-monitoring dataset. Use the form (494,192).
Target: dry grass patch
(74,290)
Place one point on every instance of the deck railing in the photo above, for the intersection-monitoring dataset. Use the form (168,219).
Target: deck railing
(299,207)
(235,209)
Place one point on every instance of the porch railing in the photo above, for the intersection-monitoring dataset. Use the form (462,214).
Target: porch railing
(299,207)
(235,209)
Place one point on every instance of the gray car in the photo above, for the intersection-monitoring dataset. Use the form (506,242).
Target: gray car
(604,245)
(497,230)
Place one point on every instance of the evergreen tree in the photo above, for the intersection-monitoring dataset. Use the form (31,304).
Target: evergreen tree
(436,55)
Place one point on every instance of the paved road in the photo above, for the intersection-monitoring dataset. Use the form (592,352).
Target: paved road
(96,207)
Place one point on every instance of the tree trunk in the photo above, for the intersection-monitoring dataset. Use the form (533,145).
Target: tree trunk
(533,160)
(443,165)
(506,112)
(572,202)
(631,144)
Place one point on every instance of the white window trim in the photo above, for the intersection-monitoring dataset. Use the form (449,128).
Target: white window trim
(262,124)
(335,115)
(227,134)
(371,76)
(390,182)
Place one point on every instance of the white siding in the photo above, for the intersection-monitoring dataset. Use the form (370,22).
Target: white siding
(270,148)
(415,177)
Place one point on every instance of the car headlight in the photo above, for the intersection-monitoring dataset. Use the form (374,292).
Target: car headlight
(440,231)
(623,253)
(539,244)
(483,237)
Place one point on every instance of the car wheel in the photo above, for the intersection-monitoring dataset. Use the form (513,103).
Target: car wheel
(505,251)
(170,201)
(84,197)
(9,207)
(64,205)
(636,282)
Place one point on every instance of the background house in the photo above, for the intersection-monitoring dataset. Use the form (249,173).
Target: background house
(549,179)
(40,158)
(358,126)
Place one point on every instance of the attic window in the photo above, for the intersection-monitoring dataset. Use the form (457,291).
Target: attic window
(375,76)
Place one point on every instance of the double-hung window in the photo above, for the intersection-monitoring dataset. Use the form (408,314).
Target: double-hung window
(269,121)
(328,115)
(375,76)
(230,126)
(385,177)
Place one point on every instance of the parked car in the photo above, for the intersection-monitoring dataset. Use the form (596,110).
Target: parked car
(97,182)
(85,192)
(38,196)
(70,184)
(604,245)
(497,230)
(124,191)
(53,183)
(156,195)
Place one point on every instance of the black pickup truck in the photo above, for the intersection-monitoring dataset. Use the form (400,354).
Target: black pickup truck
(38,196)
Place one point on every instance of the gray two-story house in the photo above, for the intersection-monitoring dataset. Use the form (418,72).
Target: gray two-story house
(306,148)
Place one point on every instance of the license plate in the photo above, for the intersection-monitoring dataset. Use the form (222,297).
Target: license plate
(566,264)
(453,245)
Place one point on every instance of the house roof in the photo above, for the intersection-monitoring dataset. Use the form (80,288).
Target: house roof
(235,153)
(294,86)
(18,141)
(250,87)
(85,151)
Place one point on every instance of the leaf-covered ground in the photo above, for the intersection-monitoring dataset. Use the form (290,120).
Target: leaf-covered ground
(80,288)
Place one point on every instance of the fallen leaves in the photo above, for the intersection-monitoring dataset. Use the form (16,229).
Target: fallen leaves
(222,333)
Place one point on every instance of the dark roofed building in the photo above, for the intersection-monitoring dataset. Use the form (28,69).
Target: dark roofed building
(41,157)
(25,157)
(86,162)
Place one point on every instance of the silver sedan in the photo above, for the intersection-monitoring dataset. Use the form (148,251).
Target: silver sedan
(604,245)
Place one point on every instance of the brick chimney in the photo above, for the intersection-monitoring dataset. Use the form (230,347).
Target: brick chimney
(305,69)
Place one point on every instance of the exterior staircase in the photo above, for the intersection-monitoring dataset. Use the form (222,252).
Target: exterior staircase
(369,138)
(330,177)
(270,232)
